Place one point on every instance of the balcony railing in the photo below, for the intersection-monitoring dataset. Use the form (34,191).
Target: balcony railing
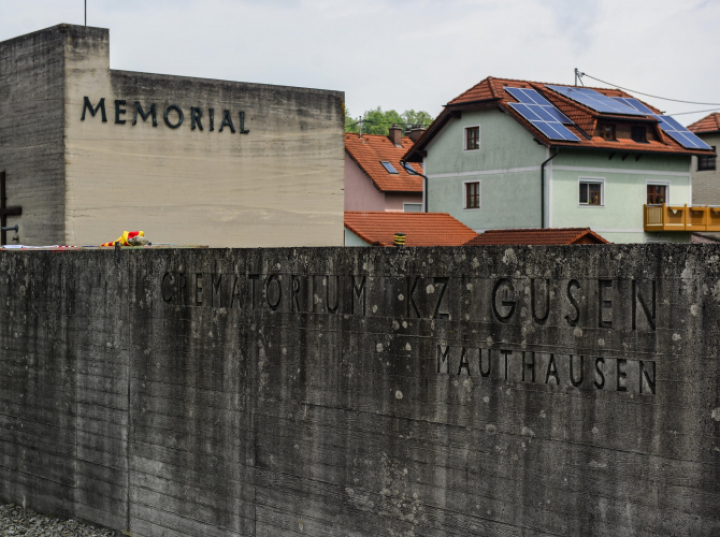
(682,218)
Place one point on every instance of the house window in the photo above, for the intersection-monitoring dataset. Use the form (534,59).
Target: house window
(638,134)
(472,138)
(607,132)
(389,167)
(707,163)
(591,192)
(472,194)
(657,194)
(412,207)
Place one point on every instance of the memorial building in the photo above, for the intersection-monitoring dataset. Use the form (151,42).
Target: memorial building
(88,152)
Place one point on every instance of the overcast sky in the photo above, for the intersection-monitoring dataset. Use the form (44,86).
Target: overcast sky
(407,54)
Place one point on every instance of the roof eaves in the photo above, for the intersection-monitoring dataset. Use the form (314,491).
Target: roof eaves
(437,124)
(364,237)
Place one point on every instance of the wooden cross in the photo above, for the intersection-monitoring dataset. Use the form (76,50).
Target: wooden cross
(5,211)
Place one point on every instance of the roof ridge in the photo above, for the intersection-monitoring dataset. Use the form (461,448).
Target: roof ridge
(492,87)
(538,230)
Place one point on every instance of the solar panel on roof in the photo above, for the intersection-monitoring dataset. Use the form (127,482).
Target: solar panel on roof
(670,125)
(634,103)
(539,104)
(554,130)
(680,134)
(596,101)
(542,114)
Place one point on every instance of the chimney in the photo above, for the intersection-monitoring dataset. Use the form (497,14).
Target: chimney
(415,132)
(396,135)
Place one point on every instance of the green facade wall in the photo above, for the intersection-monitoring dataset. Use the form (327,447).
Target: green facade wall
(509,197)
(620,218)
(353,240)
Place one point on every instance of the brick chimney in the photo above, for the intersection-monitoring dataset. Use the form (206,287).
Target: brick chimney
(396,135)
(415,132)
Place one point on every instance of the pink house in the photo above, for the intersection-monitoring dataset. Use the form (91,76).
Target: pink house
(375,180)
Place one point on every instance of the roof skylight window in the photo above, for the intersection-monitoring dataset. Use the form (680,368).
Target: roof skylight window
(409,169)
(389,167)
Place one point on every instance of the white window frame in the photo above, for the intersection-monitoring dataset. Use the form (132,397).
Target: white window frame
(464,135)
(595,180)
(666,184)
(413,203)
(464,195)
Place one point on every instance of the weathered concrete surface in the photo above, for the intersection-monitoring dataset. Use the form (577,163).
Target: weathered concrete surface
(359,392)
(82,180)
(31,133)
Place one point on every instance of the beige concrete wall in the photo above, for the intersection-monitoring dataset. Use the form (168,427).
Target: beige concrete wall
(279,185)
(706,184)
(31,134)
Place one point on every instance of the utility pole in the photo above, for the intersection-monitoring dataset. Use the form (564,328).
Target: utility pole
(578,76)
(85,12)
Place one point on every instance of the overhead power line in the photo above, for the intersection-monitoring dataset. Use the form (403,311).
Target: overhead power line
(694,112)
(647,94)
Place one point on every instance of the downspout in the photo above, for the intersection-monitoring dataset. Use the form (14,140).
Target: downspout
(542,188)
(404,164)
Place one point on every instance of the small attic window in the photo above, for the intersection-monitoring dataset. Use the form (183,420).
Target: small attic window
(607,132)
(389,167)
(639,134)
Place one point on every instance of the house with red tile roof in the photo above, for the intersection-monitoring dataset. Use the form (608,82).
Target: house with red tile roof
(509,154)
(706,176)
(378,228)
(537,237)
(375,179)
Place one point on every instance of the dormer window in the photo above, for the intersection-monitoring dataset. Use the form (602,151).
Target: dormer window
(607,132)
(639,134)
(389,167)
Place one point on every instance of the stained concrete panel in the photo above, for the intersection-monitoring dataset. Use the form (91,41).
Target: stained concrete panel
(558,391)
(271,174)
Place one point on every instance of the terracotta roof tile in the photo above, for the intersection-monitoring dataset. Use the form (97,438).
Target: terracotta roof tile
(371,150)
(421,229)
(491,90)
(537,237)
(709,123)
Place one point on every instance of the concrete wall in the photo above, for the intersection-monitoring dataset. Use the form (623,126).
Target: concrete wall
(31,133)
(706,184)
(85,181)
(568,391)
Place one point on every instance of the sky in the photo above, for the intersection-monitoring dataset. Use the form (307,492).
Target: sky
(408,54)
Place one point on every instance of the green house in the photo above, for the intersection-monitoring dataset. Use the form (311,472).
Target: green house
(509,154)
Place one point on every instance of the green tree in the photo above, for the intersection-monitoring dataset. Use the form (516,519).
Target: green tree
(378,122)
(411,118)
